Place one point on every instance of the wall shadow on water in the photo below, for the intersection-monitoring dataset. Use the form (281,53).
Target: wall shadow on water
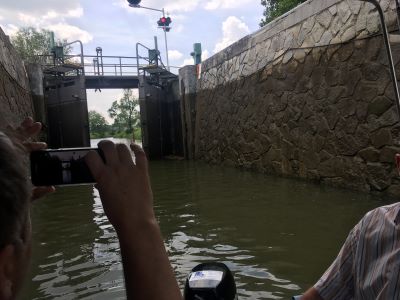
(277,235)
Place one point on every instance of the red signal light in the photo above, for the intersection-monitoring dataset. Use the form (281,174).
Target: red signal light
(164,22)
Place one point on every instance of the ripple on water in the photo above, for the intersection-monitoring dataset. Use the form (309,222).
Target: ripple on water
(252,223)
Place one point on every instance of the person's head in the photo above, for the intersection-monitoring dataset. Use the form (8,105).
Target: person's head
(15,228)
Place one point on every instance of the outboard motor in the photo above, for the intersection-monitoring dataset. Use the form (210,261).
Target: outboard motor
(210,281)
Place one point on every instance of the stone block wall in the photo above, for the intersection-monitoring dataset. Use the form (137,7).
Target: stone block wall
(308,96)
(15,96)
(315,23)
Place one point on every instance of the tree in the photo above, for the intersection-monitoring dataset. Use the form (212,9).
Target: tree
(124,112)
(97,124)
(276,8)
(30,43)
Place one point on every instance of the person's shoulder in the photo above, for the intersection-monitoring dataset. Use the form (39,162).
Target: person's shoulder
(387,211)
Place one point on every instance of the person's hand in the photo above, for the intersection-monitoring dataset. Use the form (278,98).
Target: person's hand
(124,186)
(25,132)
(127,199)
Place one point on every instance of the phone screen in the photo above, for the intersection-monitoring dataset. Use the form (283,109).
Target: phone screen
(60,167)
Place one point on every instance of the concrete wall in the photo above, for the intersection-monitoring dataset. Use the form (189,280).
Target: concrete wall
(314,23)
(308,96)
(15,97)
(187,88)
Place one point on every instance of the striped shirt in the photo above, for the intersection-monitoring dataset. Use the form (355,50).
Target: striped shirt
(368,265)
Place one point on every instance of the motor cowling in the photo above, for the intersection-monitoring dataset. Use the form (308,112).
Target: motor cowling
(210,281)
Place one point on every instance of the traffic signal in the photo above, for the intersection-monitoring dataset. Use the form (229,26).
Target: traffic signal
(134,2)
(164,23)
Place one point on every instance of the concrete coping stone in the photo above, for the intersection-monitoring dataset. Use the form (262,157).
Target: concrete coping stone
(293,17)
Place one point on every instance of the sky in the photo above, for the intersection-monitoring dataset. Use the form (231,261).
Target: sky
(116,28)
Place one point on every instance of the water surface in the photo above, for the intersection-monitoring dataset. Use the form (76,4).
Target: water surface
(277,235)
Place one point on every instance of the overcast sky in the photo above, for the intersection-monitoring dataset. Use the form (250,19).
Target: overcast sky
(116,27)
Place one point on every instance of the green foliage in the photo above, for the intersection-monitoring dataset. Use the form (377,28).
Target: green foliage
(98,125)
(276,8)
(124,112)
(125,115)
(30,43)
(137,135)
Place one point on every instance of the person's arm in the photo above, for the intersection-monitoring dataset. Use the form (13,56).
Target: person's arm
(311,294)
(125,192)
(338,280)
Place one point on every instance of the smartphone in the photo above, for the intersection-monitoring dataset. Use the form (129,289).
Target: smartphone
(60,167)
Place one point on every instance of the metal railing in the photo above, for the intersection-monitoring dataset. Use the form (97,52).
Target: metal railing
(94,65)
(157,60)
(101,65)
(110,65)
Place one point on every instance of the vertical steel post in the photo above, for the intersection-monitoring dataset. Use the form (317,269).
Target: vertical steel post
(98,65)
(166,43)
(156,47)
(82,54)
(102,65)
(165,32)
(94,65)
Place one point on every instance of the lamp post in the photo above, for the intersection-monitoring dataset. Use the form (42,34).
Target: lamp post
(135,4)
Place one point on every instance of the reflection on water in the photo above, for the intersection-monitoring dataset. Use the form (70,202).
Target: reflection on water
(276,235)
(76,252)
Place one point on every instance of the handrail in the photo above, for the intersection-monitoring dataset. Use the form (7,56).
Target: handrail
(81,45)
(104,56)
(113,65)
(146,58)
(103,65)
(138,56)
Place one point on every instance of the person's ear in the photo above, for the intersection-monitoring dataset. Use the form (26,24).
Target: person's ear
(7,270)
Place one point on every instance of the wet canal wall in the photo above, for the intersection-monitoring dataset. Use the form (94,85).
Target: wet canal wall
(15,95)
(308,96)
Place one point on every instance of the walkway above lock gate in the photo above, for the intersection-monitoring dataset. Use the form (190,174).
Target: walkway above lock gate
(111,72)
(107,72)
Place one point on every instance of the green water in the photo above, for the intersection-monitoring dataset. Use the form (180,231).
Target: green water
(276,235)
